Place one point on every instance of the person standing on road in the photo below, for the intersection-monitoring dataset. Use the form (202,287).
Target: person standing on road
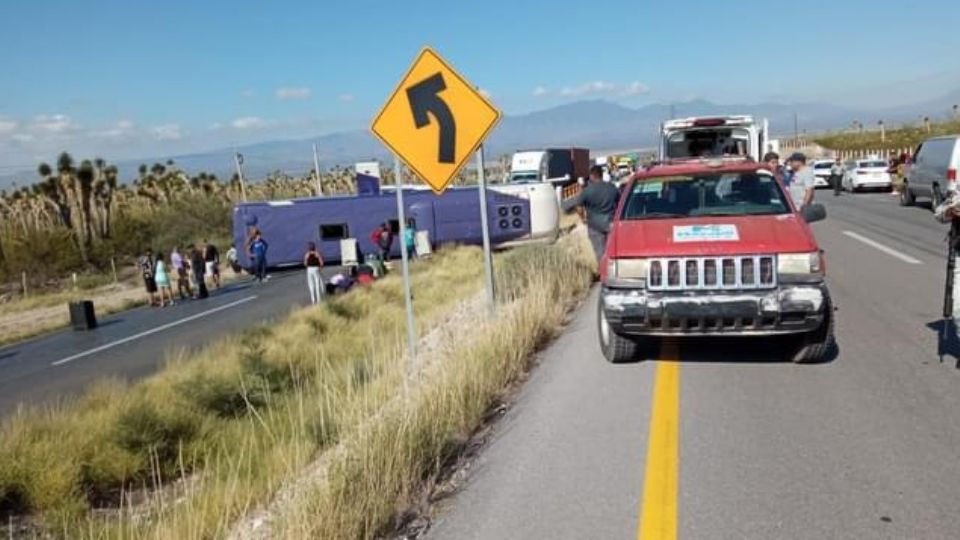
(802,182)
(599,200)
(198,267)
(314,262)
(180,269)
(162,278)
(836,177)
(772,160)
(211,258)
(258,250)
(145,265)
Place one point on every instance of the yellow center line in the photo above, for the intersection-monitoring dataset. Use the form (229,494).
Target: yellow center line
(658,516)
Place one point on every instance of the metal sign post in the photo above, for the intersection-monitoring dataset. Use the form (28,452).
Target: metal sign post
(487,254)
(404,261)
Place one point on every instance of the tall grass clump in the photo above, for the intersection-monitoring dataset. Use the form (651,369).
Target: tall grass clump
(380,471)
(188,451)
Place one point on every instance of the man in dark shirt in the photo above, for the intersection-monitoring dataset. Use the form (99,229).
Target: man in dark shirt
(599,200)
(211,256)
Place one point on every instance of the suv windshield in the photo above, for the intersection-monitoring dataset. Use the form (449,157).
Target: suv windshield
(725,194)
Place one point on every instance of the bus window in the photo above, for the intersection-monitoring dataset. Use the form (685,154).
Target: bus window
(334,231)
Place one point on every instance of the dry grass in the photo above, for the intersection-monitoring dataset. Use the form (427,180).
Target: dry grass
(376,474)
(190,451)
(228,425)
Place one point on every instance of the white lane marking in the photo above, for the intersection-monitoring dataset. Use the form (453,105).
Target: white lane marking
(888,250)
(146,333)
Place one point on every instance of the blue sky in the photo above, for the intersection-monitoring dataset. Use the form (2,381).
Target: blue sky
(130,78)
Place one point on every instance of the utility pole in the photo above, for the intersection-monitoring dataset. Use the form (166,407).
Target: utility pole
(316,170)
(238,160)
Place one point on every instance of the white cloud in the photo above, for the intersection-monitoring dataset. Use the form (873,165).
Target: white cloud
(292,92)
(54,123)
(347,98)
(167,132)
(120,129)
(540,91)
(485,93)
(8,126)
(595,87)
(216,125)
(22,137)
(248,122)
(246,93)
(636,88)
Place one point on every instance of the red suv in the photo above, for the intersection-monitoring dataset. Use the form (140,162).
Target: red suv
(712,248)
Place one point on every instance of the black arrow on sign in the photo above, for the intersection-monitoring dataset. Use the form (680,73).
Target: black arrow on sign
(424,98)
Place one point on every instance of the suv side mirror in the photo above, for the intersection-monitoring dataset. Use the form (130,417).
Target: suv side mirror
(814,212)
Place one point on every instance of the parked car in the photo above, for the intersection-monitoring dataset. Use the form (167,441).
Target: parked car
(863,174)
(821,170)
(712,248)
(933,170)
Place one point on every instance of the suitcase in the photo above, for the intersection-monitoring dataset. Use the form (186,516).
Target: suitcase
(82,316)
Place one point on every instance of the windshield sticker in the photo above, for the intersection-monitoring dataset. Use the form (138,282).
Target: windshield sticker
(706,233)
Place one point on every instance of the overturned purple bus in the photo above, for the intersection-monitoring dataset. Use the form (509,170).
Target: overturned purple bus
(517,214)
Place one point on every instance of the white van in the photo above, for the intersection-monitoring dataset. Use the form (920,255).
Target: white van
(933,172)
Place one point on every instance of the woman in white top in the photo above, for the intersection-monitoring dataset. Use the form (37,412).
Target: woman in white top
(314,262)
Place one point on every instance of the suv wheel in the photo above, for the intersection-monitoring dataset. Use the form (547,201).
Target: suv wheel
(906,196)
(616,348)
(819,344)
(936,198)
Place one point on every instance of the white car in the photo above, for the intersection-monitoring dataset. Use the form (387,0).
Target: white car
(821,171)
(866,174)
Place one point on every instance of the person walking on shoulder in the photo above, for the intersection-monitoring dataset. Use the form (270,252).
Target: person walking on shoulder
(836,177)
(599,200)
(258,250)
(145,264)
(314,262)
(802,181)
(162,277)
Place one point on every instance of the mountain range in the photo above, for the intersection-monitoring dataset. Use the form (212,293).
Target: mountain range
(595,124)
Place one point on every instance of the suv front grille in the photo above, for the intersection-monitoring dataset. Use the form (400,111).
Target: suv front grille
(706,273)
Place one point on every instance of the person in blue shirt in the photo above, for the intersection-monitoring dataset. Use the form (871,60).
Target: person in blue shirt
(410,238)
(258,251)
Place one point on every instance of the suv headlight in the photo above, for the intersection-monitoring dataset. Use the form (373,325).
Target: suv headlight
(627,272)
(800,267)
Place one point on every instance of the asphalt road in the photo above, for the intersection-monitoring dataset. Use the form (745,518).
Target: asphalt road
(743,445)
(135,343)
